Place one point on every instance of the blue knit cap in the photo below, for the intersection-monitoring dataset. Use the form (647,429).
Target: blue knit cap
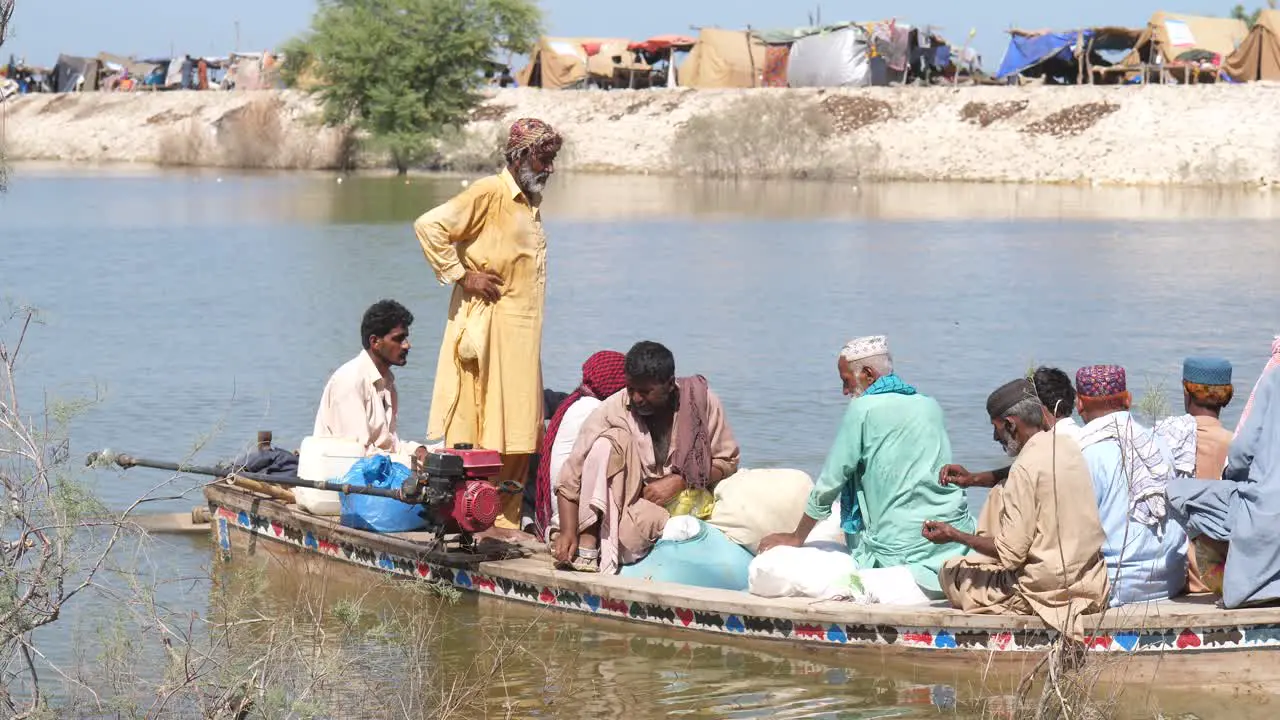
(1206,371)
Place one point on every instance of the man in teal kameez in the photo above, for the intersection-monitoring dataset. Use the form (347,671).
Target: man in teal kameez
(883,468)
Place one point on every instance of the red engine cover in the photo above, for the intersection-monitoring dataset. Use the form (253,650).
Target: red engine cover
(475,505)
(478,463)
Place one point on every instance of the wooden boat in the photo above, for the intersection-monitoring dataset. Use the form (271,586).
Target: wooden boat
(1177,637)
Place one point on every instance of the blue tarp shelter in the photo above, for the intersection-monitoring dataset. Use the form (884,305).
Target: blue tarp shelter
(1028,50)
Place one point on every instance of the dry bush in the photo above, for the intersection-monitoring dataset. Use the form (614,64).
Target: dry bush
(1072,120)
(187,145)
(984,114)
(462,150)
(758,135)
(169,117)
(252,136)
(854,112)
(633,108)
(490,112)
(55,104)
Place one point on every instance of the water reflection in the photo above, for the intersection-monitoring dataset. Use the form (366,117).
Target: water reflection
(209,310)
(202,196)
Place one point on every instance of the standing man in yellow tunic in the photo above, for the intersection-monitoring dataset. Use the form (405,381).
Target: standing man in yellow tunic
(488,242)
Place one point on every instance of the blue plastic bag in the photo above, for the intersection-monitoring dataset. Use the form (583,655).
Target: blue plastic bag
(379,514)
(709,559)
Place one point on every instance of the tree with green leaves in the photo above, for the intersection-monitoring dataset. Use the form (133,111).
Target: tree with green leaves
(1250,18)
(405,71)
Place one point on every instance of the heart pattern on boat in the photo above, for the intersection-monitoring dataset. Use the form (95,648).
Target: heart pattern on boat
(358,552)
(1128,641)
(1188,639)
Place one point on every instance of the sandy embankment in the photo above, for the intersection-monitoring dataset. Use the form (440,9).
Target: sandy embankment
(1211,135)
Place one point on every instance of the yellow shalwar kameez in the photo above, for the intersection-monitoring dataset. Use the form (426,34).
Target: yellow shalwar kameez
(488,385)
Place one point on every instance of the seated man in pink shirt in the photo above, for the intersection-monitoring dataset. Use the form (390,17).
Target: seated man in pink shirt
(360,400)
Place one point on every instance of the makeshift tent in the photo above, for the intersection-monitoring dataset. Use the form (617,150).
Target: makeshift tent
(557,63)
(776,59)
(1040,52)
(777,54)
(724,59)
(833,59)
(1258,57)
(658,49)
(610,57)
(69,70)
(1169,36)
(136,69)
(178,72)
(662,43)
(787,36)
(249,71)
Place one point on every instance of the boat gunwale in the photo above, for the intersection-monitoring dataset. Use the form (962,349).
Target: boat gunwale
(1171,617)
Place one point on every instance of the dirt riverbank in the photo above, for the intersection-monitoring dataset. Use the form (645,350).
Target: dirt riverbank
(1208,135)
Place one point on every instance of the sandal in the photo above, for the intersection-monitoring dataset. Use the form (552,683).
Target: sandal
(587,560)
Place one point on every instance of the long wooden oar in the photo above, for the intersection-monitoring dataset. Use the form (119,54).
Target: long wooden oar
(230,471)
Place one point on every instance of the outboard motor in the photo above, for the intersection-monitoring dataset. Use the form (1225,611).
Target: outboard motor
(458,488)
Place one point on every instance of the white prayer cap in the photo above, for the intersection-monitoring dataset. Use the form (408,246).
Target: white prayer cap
(865,347)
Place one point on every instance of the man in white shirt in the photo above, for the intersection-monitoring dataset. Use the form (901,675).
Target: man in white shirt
(360,400)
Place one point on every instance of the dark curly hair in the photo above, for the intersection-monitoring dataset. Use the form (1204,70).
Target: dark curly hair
(651,361)
(381,318)
(1053,386)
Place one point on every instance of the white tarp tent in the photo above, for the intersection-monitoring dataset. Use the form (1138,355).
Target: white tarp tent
(832,59)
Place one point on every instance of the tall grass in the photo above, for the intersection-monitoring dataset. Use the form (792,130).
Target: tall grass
(761,135)
(259,135)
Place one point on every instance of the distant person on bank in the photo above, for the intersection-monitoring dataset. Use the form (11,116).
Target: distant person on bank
(360,400)
(489,243)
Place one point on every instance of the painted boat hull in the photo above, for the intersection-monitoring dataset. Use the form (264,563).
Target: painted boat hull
(1164,631)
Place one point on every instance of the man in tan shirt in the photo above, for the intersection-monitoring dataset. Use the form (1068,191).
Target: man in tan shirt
(488,242)
(644,447)
(1199,441)
(1039,546)
(360,400)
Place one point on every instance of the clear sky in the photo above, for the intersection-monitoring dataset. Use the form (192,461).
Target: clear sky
(151,27)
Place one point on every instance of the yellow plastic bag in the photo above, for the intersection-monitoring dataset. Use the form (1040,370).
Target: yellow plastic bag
(698,502)
(1212,561)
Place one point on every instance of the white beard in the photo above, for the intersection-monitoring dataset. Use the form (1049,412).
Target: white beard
(530,182)
(1011,445)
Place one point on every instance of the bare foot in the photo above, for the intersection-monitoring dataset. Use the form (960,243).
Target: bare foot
(510,535)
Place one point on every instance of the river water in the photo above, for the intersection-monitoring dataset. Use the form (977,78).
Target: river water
(199,307)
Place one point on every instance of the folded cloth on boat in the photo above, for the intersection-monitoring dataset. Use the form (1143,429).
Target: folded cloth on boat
(705,558)
(751,504)
(826,571)
(268,461)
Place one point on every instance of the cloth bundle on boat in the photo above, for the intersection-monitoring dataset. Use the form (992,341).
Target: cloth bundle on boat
(379,514)
(751,504)
(692,552)
(826,571)
(268,461)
